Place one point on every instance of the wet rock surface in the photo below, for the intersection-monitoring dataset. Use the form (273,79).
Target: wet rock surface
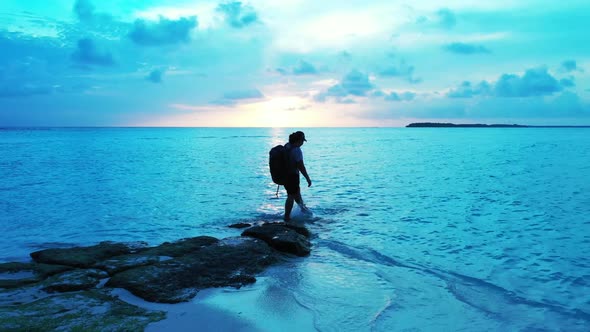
(75,280)
(179,279)
(154,255)
(121,263)
(240,225)
(18,274)
(94,310)
(69,287)
(82,257)
(282,237)
(181,247)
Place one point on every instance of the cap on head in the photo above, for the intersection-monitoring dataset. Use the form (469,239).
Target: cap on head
(300,134)
(297,136)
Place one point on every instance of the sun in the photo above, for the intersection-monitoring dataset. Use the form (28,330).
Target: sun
(281,111)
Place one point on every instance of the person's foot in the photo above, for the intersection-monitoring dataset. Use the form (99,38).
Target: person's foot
(285,219)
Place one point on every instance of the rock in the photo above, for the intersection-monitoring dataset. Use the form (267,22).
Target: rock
(69,281)
(181,247)
(74,280)
(17,274)
(81,311)
(22,294)
(125,262)
(240,225)
(82,257)
(299,229)
(227,263)
(62,289)
(282,237)
(148,256)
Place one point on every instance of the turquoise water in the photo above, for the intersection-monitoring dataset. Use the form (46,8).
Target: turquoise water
(415,228)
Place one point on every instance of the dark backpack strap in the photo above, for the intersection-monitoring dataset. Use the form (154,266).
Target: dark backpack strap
(287,157)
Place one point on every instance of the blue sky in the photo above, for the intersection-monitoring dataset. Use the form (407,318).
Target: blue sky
(295,63)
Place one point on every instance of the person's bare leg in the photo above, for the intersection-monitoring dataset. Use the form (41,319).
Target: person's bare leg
(288,207)
(299,201)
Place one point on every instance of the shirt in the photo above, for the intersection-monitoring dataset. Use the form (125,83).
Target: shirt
(295,155)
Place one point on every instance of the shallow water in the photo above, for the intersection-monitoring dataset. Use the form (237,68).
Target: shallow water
(425,229)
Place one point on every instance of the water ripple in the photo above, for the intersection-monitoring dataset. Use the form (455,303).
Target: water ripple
(480,294)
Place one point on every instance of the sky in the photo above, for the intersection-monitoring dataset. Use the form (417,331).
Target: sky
(293,63)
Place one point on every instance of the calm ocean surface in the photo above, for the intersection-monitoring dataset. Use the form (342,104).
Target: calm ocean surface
(415,228)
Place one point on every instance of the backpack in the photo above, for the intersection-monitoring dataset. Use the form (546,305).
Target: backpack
(278,164)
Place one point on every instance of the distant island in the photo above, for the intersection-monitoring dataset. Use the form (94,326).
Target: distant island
(479,125)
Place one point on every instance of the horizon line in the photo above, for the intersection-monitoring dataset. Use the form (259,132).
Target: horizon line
(278,127)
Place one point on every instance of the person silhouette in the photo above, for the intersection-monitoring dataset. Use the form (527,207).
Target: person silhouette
(295,166)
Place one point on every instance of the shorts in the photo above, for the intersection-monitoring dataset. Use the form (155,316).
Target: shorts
(292,184)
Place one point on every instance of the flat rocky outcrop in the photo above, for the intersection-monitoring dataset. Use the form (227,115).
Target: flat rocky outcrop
(70,287)
(227,263)
(74,280)
(82,257)
(180,247)
(154,255)
(93,310)
(19,274)
(286,238)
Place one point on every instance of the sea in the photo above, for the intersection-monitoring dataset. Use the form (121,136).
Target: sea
(414,229)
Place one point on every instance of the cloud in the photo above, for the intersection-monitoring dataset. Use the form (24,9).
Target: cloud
(155,75)
(304,68)
(347,101)
(163,32)
(335,91)
(243,94)
(570,103)
(31,66)
(282,71)
(88,53)
(355,83)
(534,82)
(378,93)
(300,108)
(464,48)
(405,96)
(564,108)
(84,10)
(443,18)
(565,104)
(567,82)
(570,66)
(238,15)
(230,98)
(402,70)
(467,90)
(231,58)
(446,18)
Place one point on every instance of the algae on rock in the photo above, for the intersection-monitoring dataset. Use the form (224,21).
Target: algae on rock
(93,310)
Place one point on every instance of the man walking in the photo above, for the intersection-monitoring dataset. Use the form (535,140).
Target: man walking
(295,166)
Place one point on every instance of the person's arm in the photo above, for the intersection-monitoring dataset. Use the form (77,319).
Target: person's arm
(301,167)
